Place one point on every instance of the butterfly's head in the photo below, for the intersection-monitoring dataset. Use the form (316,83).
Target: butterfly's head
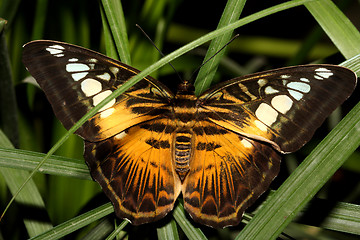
(186,86)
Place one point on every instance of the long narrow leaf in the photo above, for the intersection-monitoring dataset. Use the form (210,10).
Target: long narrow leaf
(231,13)
(76,223)
(337,26)
(115,16)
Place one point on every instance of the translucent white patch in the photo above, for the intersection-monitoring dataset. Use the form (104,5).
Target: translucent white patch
(90,87)
(101,96)
(120,135)
(246,143)
(285,76)
(300,86)
(262,82)
(282,103)
(270,90)
(260,125)
(295,94)
(55,49)
(93,60)
(323,73)
(107,113)
(266,114)
(114,70)
(78,76)
(105,76)
(59,55)
(77,67)
(73,60)
(304,80)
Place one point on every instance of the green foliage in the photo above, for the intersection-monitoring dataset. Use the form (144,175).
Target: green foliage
(110,27)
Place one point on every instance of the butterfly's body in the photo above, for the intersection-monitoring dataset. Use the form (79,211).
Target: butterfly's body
(221,149)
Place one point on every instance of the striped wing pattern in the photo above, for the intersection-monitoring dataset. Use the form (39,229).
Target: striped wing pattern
(228,173)
(221,150)
(135,171)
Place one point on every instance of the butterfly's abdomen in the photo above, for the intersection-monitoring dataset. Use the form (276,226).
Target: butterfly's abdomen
(182,152)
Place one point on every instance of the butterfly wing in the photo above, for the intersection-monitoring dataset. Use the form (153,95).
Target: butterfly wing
(283,107)
(123,152)
(75,80)
(135,170)
(227,174)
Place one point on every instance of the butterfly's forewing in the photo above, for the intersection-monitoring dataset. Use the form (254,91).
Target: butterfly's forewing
(135,171)
(75,80)
(283,107)
(227,174)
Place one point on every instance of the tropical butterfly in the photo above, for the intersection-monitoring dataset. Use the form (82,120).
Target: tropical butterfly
(221,150)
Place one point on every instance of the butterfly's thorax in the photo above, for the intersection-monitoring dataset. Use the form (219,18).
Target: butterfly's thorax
(185,115)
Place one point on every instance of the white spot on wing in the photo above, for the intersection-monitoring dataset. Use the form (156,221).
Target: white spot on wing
(78,76)
(260,125)
(321,73)
(73,60)
(114,70)
(90,87)
(77,67)
(304,79)
(120,135)
(299,86)
(285,76)
(266,114)
(270,90)
(55,50)
(295,94)
(105,76)
(262,82)
(282,103)
(246,143)
(101,96)
(107,113)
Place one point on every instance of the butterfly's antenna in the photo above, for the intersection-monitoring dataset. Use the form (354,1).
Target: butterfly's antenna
(207,60)
(161,53)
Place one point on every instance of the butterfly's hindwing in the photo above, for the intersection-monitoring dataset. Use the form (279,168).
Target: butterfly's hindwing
(283,107)
(136,172)
(75,80)
(227,174)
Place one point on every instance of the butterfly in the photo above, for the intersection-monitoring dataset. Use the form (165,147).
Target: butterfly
(220,150)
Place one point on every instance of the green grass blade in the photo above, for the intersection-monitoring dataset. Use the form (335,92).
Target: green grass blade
(188,228)
(337,26)
(345,217)
(56,165)
(8,9)
(110,47)
(29,196)
(306,180)
(39,19)
(8,114)
(117,231)
(206,74)
(76,223)
(115,17)
(168,232)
